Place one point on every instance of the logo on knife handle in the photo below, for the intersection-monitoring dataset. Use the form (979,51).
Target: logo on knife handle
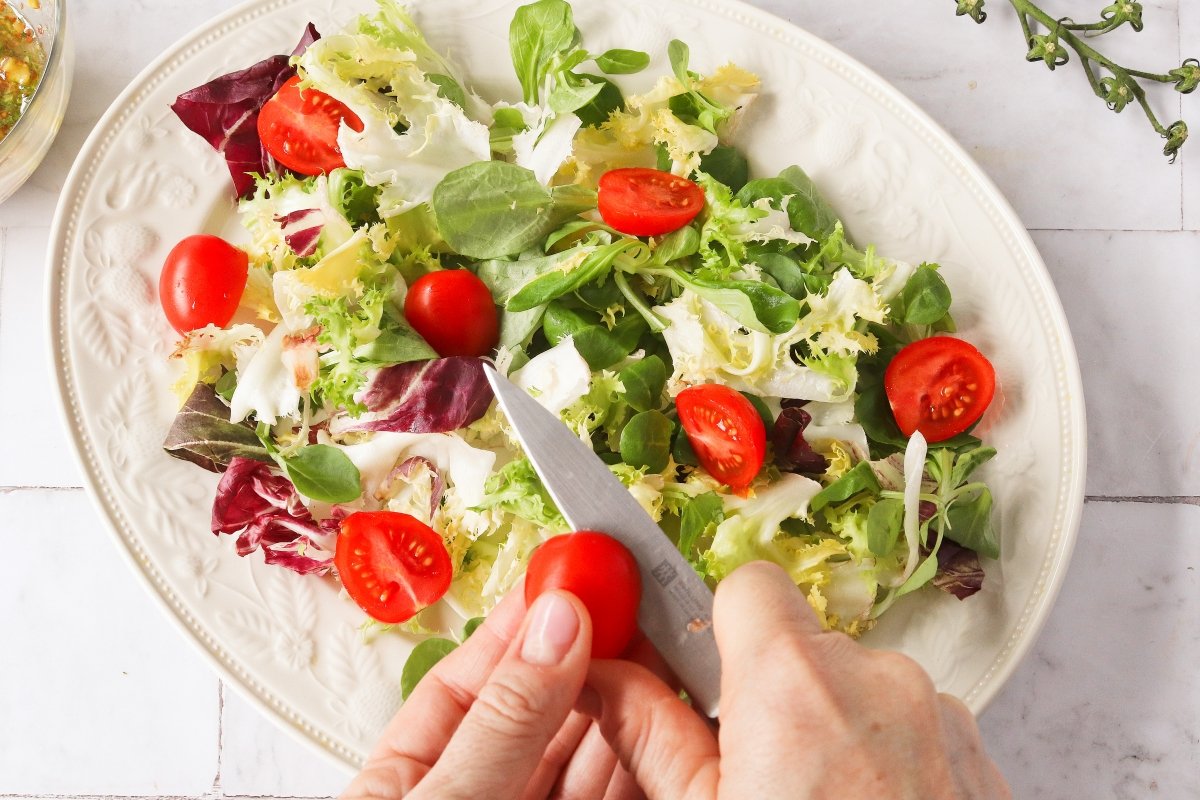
(664,573)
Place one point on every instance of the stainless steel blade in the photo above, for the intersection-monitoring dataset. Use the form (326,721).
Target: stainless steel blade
(676,609)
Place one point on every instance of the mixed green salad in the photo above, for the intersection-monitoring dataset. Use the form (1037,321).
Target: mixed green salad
(764,386)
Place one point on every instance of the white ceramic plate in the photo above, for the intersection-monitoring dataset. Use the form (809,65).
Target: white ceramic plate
(290,643)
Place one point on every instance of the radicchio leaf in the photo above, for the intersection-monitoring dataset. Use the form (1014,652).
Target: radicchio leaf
(959,571)
(406,473)
(203,434)
(435,396)
(793,453)
(262,507)
(310,35)
(302,230)
(224,112)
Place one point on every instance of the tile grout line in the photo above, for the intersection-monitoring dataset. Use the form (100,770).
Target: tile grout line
(220,736)
(1149,499)
(14,489)
(1178,230)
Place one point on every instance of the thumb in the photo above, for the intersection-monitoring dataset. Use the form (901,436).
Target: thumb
(520,709)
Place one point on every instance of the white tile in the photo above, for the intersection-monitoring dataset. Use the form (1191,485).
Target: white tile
(258,758)
(99,694)
(1131,303)
(1108,703)
(1189,38)
(33,450)
(1059,155)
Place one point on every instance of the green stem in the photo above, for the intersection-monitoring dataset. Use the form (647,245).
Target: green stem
(1087,53)
(1102,27)
(656,324)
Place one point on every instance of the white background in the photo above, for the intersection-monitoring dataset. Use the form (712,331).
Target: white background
(100,696)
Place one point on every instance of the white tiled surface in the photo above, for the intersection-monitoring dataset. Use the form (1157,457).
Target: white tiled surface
(99,696)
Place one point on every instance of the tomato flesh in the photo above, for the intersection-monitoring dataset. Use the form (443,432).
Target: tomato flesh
(602,573)
(202,282)
(726,432)
(454,311)
(647,202)
(300,129)
(939,386)
(392,565)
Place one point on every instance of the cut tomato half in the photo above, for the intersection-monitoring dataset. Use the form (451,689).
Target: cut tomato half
(647,202)
(939,386)
(300,129)
(392,565)
(725,431)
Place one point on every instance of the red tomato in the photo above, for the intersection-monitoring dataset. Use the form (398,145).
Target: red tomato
(202,282)
(602,573)
(454,311)
(939,386)
(300,129)
(392,565)
(726,432)
(647,202)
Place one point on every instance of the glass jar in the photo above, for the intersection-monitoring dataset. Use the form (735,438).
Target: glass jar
(23,149)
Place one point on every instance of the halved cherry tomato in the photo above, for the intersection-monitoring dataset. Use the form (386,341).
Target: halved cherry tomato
(202,282)
(602,573)
(454,311)
(300,129)
(726,432)
(939,386)
(392,565)
(647,202)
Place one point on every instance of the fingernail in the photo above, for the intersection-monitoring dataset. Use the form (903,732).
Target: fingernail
(553,628)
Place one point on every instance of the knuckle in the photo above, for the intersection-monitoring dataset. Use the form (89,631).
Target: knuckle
(506,702)
(837,646)
(903,669)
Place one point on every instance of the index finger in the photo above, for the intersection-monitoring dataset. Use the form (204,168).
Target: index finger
(755,605)
(424,724)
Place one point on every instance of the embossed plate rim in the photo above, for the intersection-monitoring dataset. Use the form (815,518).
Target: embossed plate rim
(1067,379)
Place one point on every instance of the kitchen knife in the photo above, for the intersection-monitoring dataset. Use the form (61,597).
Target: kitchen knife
(676,608)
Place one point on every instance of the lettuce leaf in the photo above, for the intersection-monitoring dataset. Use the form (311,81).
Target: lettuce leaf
(436,396)
(264,510)
(202,433)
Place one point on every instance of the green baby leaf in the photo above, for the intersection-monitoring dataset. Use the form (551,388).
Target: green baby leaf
(423,658)
(925,298)
(700,517)
(539,33)
(323,473)
(859,478)
(492,209)
(622,62)
(884,523)
(646,441)
(644,382)
(971,524)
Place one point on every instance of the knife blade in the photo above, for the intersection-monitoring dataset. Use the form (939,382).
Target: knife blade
(676,608)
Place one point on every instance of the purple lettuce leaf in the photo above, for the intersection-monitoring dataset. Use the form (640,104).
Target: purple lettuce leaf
(262,507)
(435,396)
(224,112)
(310,35)
(959,571)
(302,230)
(407,472)
(793,453)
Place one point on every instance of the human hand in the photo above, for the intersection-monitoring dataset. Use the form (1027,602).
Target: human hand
(804,714)
(494,718)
